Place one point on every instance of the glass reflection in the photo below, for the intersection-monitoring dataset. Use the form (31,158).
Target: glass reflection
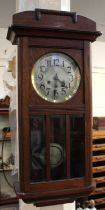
(37,143)
(77,152)
(64,138)
(57,147)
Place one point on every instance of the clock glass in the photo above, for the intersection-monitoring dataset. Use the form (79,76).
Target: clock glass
(48,153)
(56,77)
(57,146)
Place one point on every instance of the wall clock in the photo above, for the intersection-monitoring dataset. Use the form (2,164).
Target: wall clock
(54,92)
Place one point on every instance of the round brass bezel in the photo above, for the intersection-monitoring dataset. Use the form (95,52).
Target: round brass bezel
(77,75)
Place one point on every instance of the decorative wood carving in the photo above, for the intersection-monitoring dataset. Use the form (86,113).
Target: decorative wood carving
(4,103)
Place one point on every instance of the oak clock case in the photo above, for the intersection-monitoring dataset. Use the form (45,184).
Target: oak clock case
(54,105)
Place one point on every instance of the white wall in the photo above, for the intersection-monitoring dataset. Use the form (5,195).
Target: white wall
(98,78)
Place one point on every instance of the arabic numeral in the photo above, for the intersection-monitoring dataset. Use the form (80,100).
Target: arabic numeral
(63,63)
(63,91)
(56,94)
(40,76)
(47,91)
(56,62)
(48,63)
(42,86)
(43,69)
(69,69)
(71,78)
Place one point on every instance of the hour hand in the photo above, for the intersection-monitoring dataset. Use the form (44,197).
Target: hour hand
(56,78)
(62,83)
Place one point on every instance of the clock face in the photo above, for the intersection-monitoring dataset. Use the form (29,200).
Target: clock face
(56,77)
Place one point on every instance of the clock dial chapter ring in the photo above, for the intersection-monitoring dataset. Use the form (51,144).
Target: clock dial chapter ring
(56,77)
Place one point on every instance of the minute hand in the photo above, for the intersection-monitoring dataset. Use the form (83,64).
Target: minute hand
(56,78)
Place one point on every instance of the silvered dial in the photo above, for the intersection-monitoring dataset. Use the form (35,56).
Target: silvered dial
(56,77)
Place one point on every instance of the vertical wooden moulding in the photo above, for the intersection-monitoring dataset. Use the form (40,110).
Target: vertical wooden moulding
(88,113)
(24,123)
(48,166)
(68,145)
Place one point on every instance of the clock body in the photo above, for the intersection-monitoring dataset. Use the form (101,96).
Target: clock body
(54,93)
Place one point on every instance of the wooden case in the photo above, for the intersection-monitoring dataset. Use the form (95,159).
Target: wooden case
(37,33)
